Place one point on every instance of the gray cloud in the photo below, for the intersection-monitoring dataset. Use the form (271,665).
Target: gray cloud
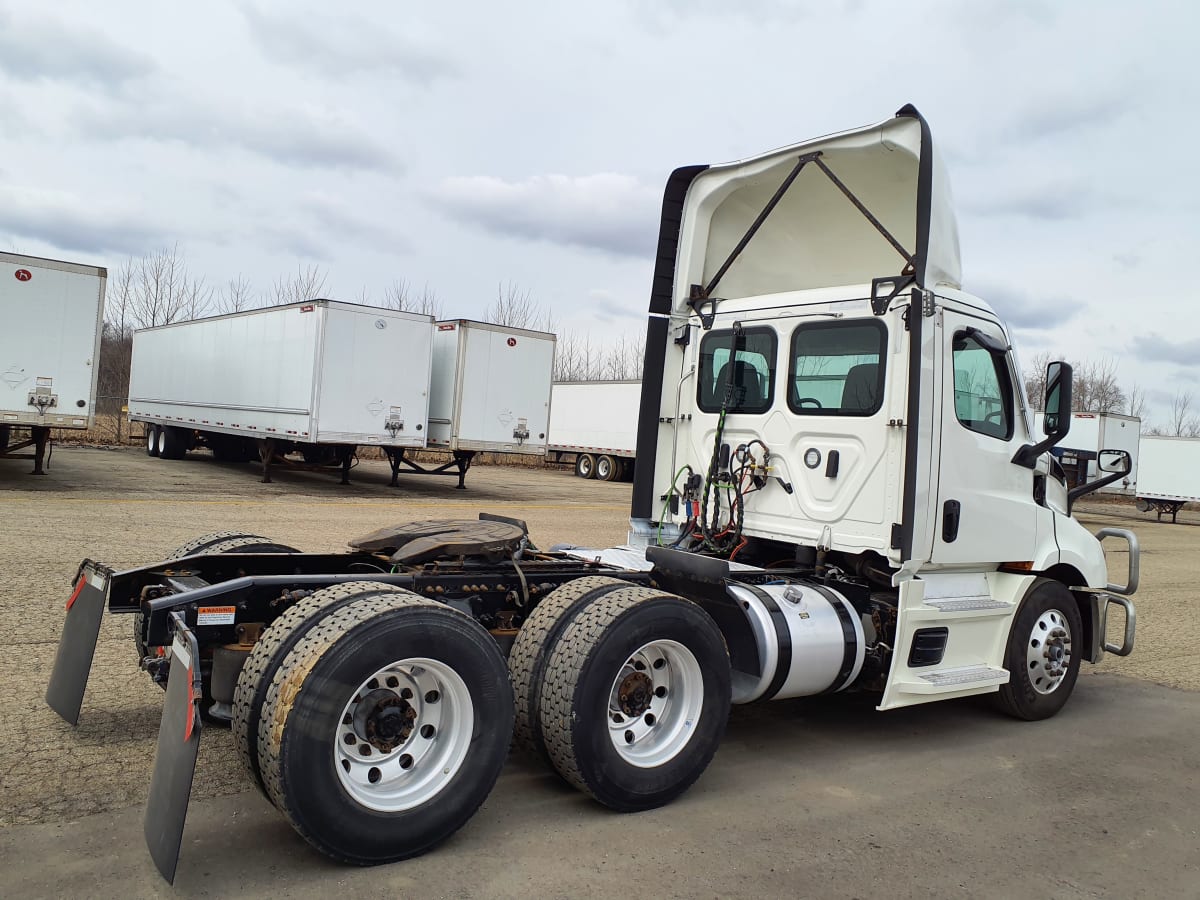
(44,50)
(74,224)
(612,213)
(312,138)
(1022,311)
(341,45)
(1047,199)
(1154,348)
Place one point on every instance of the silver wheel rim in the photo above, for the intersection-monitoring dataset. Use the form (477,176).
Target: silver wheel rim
(160,435)
(151,440)
(603,468)
(654,703)
(389,768)
(1048,651)
(585,466)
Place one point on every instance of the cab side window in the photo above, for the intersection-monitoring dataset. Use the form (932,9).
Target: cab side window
(749,365)
(983,393)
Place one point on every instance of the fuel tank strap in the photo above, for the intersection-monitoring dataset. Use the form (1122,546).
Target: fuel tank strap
(849,645)
(783,637)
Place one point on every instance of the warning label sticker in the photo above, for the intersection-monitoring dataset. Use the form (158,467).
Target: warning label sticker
(216,615)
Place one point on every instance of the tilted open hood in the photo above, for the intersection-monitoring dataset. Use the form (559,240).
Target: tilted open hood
(815,236)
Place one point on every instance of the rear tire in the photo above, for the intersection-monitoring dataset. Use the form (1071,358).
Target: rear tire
(585,465)
(635,698)
(416,767)
(607,469)
(531,650)
(275,644)
(217,542)
(171,442)
(1044,652)
(152,440)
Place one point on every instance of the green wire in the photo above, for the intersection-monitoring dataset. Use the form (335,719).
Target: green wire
(667,503)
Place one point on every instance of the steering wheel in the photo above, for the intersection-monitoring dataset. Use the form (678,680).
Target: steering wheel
(993,417)
(813,400)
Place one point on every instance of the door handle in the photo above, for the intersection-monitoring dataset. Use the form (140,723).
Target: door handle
(951,513)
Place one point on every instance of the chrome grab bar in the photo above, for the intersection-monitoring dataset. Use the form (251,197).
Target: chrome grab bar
(1131,582)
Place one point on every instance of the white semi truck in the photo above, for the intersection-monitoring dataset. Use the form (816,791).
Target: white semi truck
(594,425)
(53,318)
(839,488)
(1170,474)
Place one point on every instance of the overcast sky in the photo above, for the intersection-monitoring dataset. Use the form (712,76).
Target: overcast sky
(464,145)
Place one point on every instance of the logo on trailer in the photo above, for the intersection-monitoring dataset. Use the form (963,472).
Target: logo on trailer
(512,342)
(22,274)
(381,324)
(449,326)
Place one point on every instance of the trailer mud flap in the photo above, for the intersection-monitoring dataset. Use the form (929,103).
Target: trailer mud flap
(178,746)
(77,645)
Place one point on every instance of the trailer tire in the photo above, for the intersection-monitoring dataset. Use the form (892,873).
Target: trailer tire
(607,468)
(635,698)
(531,650)
(1043,654)
(152,440)
(427,686)
(171,442)
(585,465)
(268,653)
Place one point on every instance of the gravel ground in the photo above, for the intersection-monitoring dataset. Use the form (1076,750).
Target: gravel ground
(123,508)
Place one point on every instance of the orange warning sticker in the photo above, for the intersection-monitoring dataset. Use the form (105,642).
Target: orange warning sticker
(216,615)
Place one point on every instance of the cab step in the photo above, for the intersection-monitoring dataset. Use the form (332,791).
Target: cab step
(958,678)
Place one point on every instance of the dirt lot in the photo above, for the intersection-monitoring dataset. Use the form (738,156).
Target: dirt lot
(124,508)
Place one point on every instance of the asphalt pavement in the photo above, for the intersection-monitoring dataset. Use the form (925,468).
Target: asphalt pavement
(804,799)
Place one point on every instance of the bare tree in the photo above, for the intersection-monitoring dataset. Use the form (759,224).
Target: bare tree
(158,289)
(236,296)
(1035,379)
(1094,384)
(1135,402)
(401,296)
(1183,422)
(514,307)
(309,283)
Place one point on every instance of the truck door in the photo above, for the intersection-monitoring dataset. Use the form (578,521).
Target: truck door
(985,508)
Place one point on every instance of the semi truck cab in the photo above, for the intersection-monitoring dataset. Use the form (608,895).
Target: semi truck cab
(820,388)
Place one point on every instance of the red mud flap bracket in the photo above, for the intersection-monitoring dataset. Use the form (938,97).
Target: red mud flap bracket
(77,645)
(178,745)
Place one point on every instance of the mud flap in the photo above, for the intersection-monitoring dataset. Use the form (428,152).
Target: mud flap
(77,645)
(178,746)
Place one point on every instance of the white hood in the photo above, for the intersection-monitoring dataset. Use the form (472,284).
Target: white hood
(815,237)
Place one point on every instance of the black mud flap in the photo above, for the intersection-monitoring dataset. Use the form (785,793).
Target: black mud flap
(77,645)
(178,745)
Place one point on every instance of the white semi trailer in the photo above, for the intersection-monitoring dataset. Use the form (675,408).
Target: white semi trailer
(594,425)
(51,321)
(839,488)
(1169,475)
(490,388)
(317,379)
(1092,433)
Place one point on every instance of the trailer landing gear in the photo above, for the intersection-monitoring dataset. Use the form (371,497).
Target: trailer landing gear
(456,466)
(39,440)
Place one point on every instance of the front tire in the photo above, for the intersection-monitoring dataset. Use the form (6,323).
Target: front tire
(1043,653)
(635,698)
(385,728)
